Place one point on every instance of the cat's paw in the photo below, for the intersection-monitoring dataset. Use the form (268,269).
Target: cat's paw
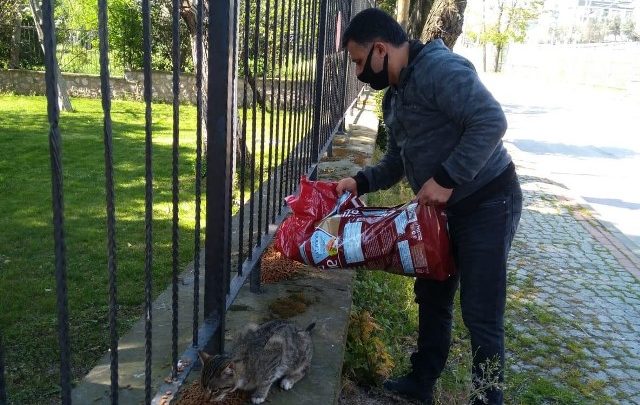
(256,400)
(286,384)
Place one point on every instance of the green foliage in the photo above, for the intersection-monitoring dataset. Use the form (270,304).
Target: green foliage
(382,136)
(13,11)
(126,40)
(384,314)
(5,46)
(367,359)
(77,39)
(473,36)
(594,32)
(77,14)
(628,28)
(512,23)
(388,5)
(493,35)
(283,31)
(125,32)
(10,8)
(614,26)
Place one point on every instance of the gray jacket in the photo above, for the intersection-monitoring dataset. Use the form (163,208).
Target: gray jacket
(442,121)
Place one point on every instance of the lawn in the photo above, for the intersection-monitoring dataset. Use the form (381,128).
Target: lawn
(28,299)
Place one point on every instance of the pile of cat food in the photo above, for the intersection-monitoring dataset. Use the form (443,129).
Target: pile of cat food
(276,267)
(195,395)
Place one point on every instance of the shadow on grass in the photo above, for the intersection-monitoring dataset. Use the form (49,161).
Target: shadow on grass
(28,317)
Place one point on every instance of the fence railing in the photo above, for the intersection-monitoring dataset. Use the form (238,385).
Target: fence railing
(255,154)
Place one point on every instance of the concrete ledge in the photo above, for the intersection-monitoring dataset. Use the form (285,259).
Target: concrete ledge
(328,294)
(95,386)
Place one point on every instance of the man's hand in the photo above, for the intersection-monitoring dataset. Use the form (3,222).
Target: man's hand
(432,193)
(347,184)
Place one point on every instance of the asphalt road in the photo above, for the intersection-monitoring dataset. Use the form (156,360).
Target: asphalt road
(584,137)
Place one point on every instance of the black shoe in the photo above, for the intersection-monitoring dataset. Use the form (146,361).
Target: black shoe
(413,387)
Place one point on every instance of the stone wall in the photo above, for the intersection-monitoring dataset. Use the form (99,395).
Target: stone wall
(27,82)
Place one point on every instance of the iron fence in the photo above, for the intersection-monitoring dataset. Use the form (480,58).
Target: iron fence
(256,151)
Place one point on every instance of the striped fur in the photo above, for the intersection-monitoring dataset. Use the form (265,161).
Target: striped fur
(262,355)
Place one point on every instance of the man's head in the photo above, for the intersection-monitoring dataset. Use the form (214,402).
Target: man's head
(376,43)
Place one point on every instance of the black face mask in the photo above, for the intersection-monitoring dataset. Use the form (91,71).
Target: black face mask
(377,81)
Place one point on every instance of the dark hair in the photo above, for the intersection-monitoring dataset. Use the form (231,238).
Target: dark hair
(373,24)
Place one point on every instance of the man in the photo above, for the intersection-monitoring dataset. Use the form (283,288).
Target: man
(445,133)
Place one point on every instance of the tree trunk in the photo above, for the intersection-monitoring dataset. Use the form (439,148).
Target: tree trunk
(188,12)
(484,42)
(402,12)
(260,99)
(499,46)
(14,62)
(64,103)
(445,21)
(418,12)
(496,62)
(237,154)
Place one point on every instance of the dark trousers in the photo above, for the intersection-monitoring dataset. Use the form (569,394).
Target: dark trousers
(481,240)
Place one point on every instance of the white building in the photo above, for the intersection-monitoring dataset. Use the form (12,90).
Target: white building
(569,21)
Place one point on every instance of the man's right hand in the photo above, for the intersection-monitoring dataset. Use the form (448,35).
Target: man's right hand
(347,184)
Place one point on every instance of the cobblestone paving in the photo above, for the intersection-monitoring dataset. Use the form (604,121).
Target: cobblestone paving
(574,310)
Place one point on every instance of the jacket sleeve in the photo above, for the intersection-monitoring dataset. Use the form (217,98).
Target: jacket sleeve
(388,171)
(460,95)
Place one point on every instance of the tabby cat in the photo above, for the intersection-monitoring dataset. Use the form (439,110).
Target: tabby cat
(262,355)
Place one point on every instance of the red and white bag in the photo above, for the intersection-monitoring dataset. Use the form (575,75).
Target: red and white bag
(328,232)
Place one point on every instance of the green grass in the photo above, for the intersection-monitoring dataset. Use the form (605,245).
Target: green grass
(28,315)
(546,346)
(27,281)
(389,299)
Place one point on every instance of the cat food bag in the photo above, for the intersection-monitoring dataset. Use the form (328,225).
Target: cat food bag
(316,201)
(409,239)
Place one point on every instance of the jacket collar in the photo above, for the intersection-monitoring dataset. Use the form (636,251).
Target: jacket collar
(417,52)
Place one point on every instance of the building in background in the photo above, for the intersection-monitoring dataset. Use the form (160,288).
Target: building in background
(586,21)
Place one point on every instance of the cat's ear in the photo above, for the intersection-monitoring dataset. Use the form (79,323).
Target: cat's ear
(203,356)
(230,370)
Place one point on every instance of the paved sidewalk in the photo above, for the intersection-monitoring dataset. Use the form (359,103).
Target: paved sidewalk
(574,297)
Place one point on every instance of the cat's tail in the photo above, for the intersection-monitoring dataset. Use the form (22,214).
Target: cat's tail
(310,327)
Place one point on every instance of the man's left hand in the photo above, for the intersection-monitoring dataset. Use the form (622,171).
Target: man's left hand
(432,193)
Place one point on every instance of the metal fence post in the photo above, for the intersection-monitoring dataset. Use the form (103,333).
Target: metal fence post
(103,33)
(342,129)
(55,152)
(320,55)
(255,285)
(219,127)
(345,87)
(3,389)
